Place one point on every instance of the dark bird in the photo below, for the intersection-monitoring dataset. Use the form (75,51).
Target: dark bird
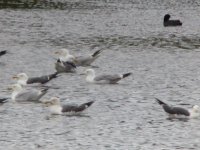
(57,109)
(177,111)
(168,22)
(3,52)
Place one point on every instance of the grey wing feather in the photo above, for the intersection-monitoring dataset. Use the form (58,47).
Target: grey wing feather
(107,78)
(176,110)
(69,107)
(84,61)
(42,79)
(180,111)
(28,95)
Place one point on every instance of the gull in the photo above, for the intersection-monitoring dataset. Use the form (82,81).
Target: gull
(107,79)
(56,108)
(176,112)
(23,79)
(79,60)
(26,95)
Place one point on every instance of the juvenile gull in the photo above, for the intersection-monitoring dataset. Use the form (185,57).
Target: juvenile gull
(107,79)
(22,95)
(23,79)
(57,109)
(3,52)
(65,66)
(178,111)
(79,60)
(168,22)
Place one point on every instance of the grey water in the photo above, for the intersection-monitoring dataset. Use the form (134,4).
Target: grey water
(164,61)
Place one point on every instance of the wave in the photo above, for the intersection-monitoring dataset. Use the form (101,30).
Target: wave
(171,41)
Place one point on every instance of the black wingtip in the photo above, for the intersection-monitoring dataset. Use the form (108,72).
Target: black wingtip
(71,63)
(54,75)
(126,74)
(88,104)
(96,53)
(160,102)
(3,100)
(3,52)
(44,90)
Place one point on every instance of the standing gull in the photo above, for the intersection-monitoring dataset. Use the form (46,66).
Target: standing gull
(23,79)
(178,111)
(79,60)
(57,109)
(107,79)
(22,95)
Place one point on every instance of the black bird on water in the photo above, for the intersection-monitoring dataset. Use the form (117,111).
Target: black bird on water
(168,22)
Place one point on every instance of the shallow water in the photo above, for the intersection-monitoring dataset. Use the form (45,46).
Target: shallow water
(164,62)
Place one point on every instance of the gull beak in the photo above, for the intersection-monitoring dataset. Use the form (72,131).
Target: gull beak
(15,77)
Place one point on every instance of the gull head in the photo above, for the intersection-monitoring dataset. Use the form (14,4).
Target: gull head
(15,87)
(195,108)
(21,76)
(62,52)
(64,55)
(71,58)
(89,72)
(53,101)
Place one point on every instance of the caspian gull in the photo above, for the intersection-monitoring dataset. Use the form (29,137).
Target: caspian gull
(23,79)
(109,79)
(79,60)
(57,109)
(176,112)
(22,95)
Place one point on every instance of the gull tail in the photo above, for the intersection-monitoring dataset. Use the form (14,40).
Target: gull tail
(97,53)
(3,52)
(85,105)
(126,75)
(54,75)
(44,91)
(71,64)
(160,102)
(3,100)
(88,104)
